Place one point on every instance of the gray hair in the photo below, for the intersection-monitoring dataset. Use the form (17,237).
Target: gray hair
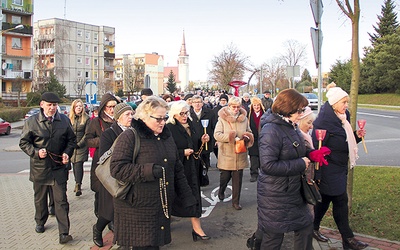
(175,109)
(235,101)
(149,106)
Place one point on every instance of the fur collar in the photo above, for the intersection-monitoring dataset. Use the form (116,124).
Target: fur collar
(146,132)
(226,115)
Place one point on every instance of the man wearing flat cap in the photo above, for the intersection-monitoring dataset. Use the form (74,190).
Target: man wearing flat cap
(267,100)
(146,92)
(48,139)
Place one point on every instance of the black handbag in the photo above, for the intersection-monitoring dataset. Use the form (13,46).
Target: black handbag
(310,191)
(204,180)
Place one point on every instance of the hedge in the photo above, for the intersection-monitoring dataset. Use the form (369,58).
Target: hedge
(14,114)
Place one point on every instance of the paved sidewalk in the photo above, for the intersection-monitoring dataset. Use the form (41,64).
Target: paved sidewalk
(17,230)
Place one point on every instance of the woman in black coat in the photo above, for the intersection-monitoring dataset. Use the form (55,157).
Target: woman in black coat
(123,115)
(187,141)
(332,179)
(256,111)
(142,220)
(281,207)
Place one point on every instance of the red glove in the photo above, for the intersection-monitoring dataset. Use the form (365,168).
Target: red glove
(318,155)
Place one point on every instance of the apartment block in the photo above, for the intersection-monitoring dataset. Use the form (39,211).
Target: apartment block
(16,49)
(75,53)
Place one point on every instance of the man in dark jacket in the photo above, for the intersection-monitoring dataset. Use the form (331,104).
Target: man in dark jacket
(48,139)
(202,115)
(266,100)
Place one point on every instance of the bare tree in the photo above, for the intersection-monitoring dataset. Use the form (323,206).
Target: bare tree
(18,85)
(273,75)
(296,53)
(79,86)
(353,13)
(229,65)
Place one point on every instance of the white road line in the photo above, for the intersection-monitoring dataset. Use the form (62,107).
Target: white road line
(384,116)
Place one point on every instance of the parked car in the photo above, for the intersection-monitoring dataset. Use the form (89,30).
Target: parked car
(5,127)
(32,112)
(64,109)
(312,100)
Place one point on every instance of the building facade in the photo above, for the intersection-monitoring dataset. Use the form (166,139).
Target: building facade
(75,53)
(16,49)
(183,66)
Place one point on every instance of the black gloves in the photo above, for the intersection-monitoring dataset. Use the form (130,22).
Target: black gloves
(157,171)
(246,138)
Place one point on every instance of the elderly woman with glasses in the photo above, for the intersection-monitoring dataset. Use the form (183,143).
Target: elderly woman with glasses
(232,125)
(283,157)
(142,220)
(188,142)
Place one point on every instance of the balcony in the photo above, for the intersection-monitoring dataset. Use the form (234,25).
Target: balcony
(48,51)
(27,30)
(108,68)
(109,55)
(22,10)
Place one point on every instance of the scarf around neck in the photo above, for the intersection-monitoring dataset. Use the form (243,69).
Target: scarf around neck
(351,140)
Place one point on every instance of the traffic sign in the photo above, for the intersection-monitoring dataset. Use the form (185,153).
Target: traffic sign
(91,92)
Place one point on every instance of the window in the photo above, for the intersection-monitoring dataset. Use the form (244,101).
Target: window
(95,49)
(87,74)
(87,61)
(4,18)
(87,48)
(79,73)
(16,43)
(79,60)
(96,36)
(18,2)
(79,46)
(87,35)
(96,62)
(16,19)
(17,65)
(79,33)
(95,75)
(52,60)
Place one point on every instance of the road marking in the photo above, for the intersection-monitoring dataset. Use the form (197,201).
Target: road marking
(383,140)
(213,200)
(384,116)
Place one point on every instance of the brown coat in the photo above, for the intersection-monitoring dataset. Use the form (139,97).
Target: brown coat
(227,129)
(139,220)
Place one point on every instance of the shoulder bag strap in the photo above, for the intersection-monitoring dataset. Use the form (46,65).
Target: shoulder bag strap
(137,144)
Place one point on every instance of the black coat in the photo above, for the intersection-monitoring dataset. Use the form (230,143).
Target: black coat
(333,177)
(281,207)
(206,114)
(57,137)
(253,150)
(106,205)
(139,220)
(191,168)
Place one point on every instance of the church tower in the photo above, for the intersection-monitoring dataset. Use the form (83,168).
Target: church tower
(183,66)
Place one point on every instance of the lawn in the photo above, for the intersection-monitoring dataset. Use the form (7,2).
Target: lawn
(376,197)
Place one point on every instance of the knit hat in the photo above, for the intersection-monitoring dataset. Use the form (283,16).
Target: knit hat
(223,96)
(146,92)
(133,105)
(50,97)
(188,96)
(120,108)
(306,113)
(334,93)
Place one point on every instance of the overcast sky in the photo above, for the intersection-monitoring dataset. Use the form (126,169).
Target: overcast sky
(258,28)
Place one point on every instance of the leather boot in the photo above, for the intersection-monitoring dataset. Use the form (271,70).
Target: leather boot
(253,243)
(97,237)
(78,189)
(319,237)
(353,243)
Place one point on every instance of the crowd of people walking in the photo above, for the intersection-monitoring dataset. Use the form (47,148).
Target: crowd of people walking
(177,135)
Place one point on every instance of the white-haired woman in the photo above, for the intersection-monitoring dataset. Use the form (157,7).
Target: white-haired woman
(232,125)
(188,143)
(142,220)
(342,140)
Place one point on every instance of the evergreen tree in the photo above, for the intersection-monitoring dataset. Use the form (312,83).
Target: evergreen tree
(380,68)
(340,73)
(305,76)
(387,22)
(171,84)
(53,85)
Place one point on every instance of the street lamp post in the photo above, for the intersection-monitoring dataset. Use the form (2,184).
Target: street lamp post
(18,27)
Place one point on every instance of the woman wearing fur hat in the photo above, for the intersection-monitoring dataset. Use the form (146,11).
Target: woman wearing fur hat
(342,140)
(123,114)
(232,125)
(256,111)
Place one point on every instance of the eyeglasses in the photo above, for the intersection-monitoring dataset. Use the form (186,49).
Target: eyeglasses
(196,102)
(184,113)
(111,106)
(160,119)
(301,111)
(235,107)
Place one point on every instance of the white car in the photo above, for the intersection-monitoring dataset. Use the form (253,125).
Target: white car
(312,100)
